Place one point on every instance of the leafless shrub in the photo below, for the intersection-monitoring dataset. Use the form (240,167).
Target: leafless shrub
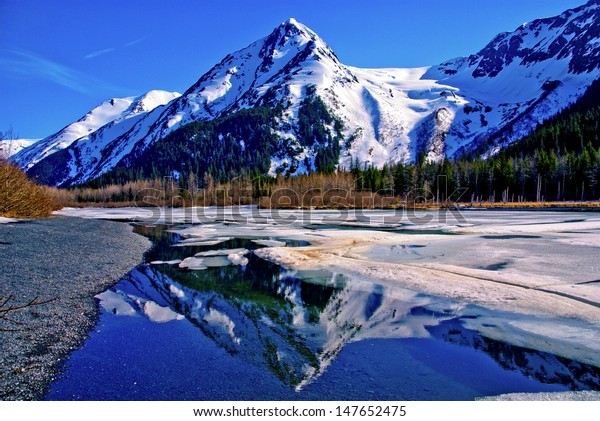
(20,197)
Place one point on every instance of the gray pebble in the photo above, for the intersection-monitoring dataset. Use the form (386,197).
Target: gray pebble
(68,261)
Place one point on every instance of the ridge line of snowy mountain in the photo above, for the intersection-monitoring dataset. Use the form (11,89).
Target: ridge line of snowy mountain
(387,115)
(116,114)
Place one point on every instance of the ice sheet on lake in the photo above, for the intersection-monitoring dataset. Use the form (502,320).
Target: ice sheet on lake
(197,242)
(193,263)
(127,213)
(217,261)
(270,243)
(222,252)
(167,262)
(523,263)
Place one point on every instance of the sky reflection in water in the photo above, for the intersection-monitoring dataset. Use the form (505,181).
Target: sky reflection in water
(259,332)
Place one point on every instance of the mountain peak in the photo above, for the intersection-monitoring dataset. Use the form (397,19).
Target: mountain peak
(293,24)
(151,100)
(292,29)
(375,115)
(571,37)
(247,75)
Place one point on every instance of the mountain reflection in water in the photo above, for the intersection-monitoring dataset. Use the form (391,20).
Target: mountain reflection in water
(292,326)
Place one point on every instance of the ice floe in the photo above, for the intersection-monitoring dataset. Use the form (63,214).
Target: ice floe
(167,262)
(238,259)
(526,265)
(197,242)
(270,243)
(193,263)
(222,252)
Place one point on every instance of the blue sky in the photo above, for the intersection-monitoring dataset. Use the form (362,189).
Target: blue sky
(60,58)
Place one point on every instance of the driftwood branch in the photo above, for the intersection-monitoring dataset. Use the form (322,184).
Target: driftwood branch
(7,309)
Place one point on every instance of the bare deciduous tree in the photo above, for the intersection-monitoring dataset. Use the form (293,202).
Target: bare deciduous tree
(7,150)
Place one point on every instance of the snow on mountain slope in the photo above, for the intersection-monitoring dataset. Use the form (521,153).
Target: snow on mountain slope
(113,113)
(92,121)
(9,147)
(378,107)
(388,115)
(396,102)
(87,151)
(270,71)
(523,77)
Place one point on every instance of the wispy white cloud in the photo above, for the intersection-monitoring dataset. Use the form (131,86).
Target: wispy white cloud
(103,51)
(25,64)
(98,53)
(136,41)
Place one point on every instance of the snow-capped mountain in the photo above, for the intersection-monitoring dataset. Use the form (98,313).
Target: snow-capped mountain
(388,115)
(9,147)
(523,77)
(114,116)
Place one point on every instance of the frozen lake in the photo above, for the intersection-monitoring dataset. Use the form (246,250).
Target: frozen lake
(248,304)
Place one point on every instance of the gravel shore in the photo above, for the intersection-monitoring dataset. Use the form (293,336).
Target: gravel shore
(68,261)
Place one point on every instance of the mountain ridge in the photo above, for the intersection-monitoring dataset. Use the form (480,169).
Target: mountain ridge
(109,113)
(500,93)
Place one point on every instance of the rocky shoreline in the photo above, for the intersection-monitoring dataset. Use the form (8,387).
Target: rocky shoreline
(64,262)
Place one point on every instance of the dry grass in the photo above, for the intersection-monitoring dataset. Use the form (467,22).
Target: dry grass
(314,191)
(333,191)
(20,197)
